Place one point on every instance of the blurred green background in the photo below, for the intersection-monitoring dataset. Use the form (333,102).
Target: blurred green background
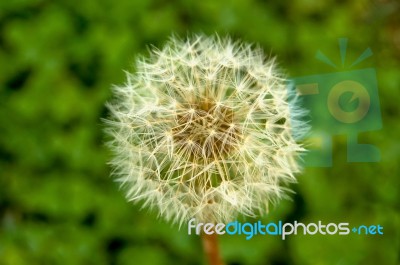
(58,60)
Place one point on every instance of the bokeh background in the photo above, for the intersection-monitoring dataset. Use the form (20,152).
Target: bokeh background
(58,60)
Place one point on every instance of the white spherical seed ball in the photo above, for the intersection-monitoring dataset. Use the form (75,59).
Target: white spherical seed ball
(203,129)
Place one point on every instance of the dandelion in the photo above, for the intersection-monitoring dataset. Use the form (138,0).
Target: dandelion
(204,129)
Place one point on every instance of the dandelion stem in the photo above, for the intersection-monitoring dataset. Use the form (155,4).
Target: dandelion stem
(211,249)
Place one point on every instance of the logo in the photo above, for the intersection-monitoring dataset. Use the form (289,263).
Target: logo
(281,229)
(345,102)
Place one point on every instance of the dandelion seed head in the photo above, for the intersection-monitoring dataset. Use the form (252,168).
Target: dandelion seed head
(203,129)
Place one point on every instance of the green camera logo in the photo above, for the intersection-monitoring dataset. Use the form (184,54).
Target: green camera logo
(343,102)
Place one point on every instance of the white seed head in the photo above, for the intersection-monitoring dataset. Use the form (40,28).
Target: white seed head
(203,129)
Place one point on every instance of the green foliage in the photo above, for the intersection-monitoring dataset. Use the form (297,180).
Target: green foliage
(58,60)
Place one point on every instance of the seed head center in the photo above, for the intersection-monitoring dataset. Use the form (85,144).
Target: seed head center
(206,130)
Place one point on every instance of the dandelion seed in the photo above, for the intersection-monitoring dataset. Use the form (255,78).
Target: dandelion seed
(203,129)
